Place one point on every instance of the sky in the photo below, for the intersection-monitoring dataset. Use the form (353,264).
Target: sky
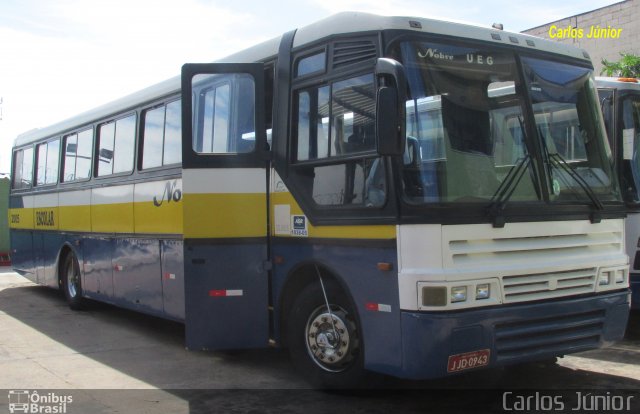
(63,57)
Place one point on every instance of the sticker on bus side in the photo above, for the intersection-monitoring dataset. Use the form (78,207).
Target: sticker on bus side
(468,360)
(299,226)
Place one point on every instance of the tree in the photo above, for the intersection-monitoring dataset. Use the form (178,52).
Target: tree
(628,66)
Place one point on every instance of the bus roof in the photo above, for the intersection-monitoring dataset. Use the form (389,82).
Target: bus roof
(618,83)
(341,23)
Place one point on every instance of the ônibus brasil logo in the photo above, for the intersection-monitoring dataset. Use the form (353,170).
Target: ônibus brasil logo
(32,402)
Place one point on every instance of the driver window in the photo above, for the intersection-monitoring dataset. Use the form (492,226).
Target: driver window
(335,144)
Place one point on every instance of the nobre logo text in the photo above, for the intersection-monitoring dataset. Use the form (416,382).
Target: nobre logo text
(435,54)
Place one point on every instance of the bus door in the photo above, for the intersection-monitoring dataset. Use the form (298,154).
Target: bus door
(224,185)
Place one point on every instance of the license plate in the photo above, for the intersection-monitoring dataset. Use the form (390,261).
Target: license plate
(468,360)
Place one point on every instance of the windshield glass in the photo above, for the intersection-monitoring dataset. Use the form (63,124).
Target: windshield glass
(467,128)
(571,130)
(630,146)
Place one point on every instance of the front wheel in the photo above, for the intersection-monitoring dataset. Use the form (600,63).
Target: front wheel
(71,283)
(326,344)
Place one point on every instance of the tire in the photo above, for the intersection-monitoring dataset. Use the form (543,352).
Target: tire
(71,282)
(322,358)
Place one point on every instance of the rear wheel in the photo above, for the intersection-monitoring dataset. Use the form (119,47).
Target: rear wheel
(326,344)
(71,282)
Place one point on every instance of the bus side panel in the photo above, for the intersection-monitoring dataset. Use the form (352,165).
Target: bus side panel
(374,292)
(136,274)
(97,282)
(22,253)
(173,278)
(21,235)
(226,283)
(46,248)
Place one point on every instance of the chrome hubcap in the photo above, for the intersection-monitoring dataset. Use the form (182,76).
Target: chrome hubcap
(72,281)
(329,339)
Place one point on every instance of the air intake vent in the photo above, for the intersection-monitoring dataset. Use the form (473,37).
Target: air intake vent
(348,53)
(529,336)
(548,285)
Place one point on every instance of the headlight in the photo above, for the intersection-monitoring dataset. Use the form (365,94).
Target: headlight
(458,294)
(483,291)
(604,279)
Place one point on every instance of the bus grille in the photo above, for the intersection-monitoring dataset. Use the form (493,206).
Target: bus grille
(471,252)
(524,288)
(576,331)
(513,256)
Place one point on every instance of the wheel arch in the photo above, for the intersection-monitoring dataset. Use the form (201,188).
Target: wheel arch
(66,249)
(299,277)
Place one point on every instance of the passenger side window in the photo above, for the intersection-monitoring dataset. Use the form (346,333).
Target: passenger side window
(336,120)
(47,163)
(225,116)
(313,124)
(77,156)
(116,146)
(23,168)
(161,137)
(311,64)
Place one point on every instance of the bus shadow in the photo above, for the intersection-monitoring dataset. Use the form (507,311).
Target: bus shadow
(151,351)
(146,348)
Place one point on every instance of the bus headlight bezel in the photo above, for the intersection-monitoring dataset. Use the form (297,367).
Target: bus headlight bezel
(440,296)
(612,279)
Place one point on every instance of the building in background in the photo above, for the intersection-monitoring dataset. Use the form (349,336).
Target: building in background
(604,33)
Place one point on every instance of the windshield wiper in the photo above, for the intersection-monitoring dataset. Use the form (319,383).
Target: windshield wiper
(508,185)
(506,189)
(558,161)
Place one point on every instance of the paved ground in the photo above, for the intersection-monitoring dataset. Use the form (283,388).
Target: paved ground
(109,360)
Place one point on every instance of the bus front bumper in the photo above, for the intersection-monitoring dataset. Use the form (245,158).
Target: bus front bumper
(440,344)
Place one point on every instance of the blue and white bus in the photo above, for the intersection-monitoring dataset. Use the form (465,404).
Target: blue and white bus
(301,194)
(620,102)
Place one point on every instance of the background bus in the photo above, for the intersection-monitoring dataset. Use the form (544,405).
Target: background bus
(5,255)
(362,234)
(620,102)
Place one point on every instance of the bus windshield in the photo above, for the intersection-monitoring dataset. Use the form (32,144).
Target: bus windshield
(630,120)
(469,131)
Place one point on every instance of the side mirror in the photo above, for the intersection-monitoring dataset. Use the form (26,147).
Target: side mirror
(387,122)
(390,107)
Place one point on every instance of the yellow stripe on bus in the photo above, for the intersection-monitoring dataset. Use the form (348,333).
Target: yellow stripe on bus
(361,232)
(149,218)
(207,216)
(382,232)
(46,218)
(75,218)
(224,215)
(112,218)
(21,218)
(143,218)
